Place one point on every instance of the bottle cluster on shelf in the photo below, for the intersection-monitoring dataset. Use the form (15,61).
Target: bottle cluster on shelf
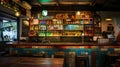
(14,5)
(61,27)
(66,28)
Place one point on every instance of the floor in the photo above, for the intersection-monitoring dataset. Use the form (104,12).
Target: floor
(30,62)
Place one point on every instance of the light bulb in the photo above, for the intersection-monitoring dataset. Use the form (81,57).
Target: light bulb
(17,14)
(78,12)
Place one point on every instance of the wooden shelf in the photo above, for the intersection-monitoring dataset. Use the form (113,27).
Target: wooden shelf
(53,24)
(20,4)
(83,18)
(73,30)
(49,30)
(82,25)
(73,24)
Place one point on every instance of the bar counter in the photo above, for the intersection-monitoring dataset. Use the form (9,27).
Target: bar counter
(63,44)
(30,62)
(69,51)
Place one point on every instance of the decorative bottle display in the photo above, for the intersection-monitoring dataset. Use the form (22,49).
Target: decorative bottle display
(81,26)
(6,3)
(14,5)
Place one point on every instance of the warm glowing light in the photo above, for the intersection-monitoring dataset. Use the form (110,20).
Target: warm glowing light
(26,22)
(38,15)
(82,34)
(54,19)
(108,19)
(68,19)
(78,12)
(28,18)
(35,21)
(32,17)
(81,47)
(17,14)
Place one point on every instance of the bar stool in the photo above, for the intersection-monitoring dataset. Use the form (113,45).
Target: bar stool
(117,64)
(82,61)
(111,59)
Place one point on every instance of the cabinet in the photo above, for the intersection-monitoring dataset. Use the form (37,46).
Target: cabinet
(14,5)
(65,30)
(73,28)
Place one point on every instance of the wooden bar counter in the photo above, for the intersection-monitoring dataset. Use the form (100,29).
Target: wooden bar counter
(62,44)
(30,62)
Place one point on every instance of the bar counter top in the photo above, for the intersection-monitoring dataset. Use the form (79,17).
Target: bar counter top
(63,44)
(30,62)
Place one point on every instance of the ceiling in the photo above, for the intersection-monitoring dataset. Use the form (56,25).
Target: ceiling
(74,5)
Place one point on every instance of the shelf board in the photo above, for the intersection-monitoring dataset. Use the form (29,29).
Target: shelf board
(49,30)
(59,30)
(88,29)
(42,24)
(73,30)
(20,4)
(67,24)
(54,35)
(62,36)
(54,30)
(83,18)
(78,24)
(33,24)
(73,24)
(97,34)
(88,35)
(97,27)
(54,24)
(70,36)
(51,36)
(42,30)
(88,24)
(32,36)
